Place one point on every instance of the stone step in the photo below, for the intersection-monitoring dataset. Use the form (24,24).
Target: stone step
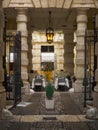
(41,118)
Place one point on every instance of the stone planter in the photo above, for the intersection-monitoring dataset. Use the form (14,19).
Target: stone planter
(49,104)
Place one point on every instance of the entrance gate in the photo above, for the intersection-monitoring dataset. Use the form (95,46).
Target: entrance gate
(17,68)
(90,63)
(12,68)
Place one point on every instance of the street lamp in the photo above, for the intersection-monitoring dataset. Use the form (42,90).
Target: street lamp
(49,31)
(85,81)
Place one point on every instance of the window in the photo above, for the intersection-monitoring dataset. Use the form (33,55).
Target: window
(47,48)
(47,58)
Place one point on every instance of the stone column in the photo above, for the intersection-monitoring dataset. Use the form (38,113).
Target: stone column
(68,52)
(74,51)
(2,90)
(21,20)
(36,60)
(59,56)
(96,53)
(81,27)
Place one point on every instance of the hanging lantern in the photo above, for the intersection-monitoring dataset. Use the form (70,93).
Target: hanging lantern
(49,31)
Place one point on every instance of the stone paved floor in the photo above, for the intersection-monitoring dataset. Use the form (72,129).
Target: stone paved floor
(63,105)
(28,123)
(66,115)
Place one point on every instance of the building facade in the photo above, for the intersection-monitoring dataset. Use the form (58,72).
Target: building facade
(72,17)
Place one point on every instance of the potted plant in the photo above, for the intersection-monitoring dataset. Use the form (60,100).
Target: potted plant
(49,101)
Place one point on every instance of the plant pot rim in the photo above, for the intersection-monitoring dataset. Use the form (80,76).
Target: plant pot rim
(49,99)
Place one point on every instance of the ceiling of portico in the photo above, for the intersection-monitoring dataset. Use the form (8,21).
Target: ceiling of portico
(38,18)
(60,18)
(38,3)
(50,3)
(63,17)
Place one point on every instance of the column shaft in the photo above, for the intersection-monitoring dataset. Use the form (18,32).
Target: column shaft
(22,27)
(81,27)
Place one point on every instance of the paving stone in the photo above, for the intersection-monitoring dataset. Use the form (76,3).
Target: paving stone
(82,118)
(16,118)
(67,111)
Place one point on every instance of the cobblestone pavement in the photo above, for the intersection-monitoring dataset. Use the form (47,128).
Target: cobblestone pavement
(63,105)
(44,125)
(66,115)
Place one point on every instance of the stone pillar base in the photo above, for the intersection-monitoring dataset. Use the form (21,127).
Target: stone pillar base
(96,79)
(2,100)
(78,86)
(96,89)
(27,88)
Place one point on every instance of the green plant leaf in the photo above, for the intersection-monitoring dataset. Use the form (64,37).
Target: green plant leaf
(49,91)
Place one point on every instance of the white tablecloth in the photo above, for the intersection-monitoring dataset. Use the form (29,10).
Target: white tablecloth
(66,83)
(43,83)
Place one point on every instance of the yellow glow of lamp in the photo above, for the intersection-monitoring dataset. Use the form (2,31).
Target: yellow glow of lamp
(49,31)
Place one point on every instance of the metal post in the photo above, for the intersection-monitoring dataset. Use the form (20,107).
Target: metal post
(85,69)
(95,40)
(90,76)
(4,57)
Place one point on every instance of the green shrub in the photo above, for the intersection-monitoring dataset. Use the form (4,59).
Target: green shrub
(49,91)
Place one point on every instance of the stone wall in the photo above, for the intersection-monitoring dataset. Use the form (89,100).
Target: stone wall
(59,56)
